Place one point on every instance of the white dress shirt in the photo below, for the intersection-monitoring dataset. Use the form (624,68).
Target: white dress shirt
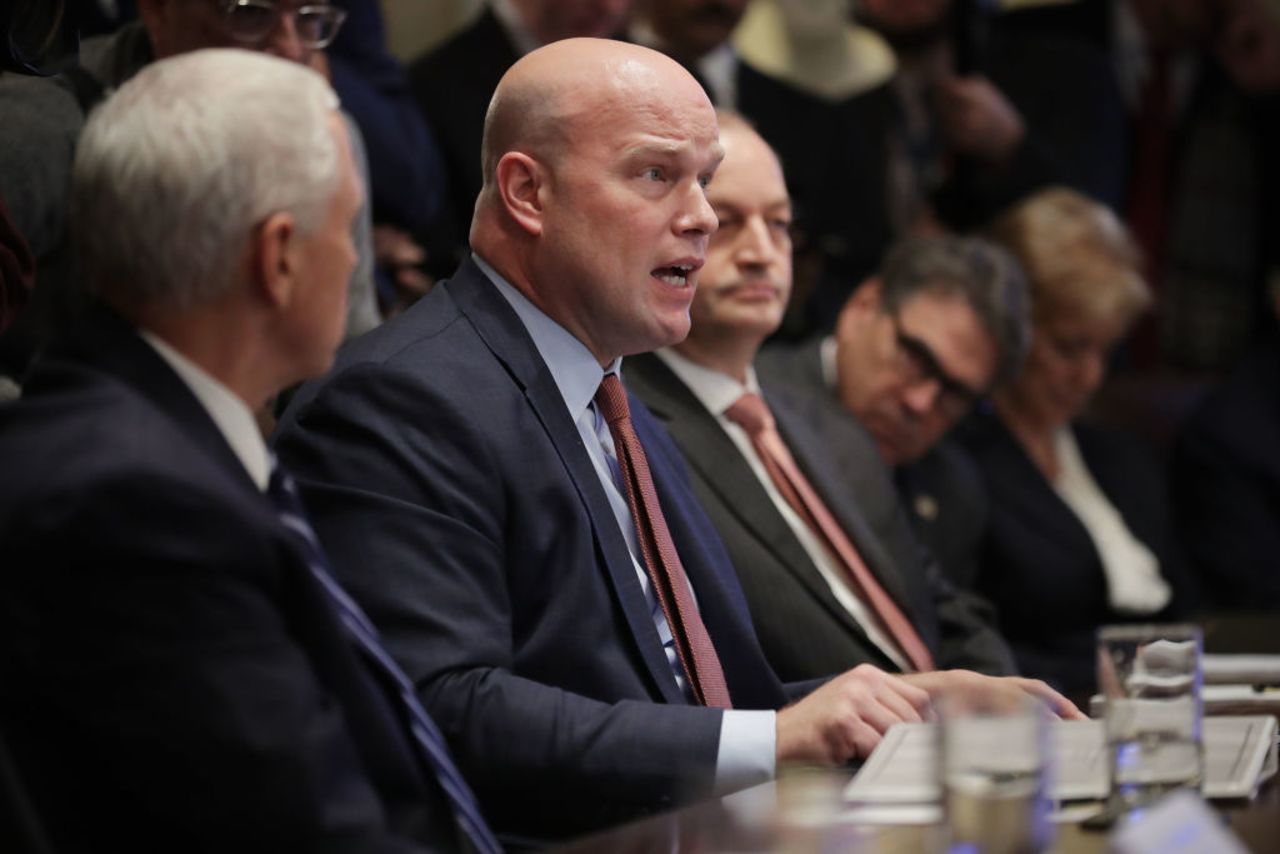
(232,415)
(1134,583)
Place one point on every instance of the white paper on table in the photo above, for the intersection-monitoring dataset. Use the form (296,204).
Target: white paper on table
(1240,752)
(1248,669)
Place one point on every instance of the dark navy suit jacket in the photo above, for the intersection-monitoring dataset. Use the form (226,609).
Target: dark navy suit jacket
(173,678)
(1039,565)
(456,500)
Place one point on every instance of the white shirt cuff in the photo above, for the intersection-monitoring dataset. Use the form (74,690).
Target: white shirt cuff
(748,750)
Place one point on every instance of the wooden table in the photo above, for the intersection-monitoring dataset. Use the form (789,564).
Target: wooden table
(749,821)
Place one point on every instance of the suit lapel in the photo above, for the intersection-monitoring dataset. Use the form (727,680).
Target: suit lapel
(806,448)
(106,342)
(503,333)
(710,452)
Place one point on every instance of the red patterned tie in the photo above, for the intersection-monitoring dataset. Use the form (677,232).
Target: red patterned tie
(693,645)
(752,414)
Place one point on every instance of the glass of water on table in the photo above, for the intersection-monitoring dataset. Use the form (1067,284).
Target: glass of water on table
(1150,678)
(994,768)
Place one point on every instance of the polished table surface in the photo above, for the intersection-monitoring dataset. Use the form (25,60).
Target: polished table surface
(752,821)
(747,823)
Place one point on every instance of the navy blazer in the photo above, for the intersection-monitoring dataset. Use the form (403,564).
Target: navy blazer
(458,504)
(1039,565)
(804,630)
(173,676)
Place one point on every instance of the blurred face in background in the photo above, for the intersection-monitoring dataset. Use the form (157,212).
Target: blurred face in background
(1065,366)
(905,23)
(744,286)
(692,28)
(277,27)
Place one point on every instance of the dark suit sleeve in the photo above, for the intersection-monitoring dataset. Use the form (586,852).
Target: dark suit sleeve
(433,520)
(966,626)
(171,680)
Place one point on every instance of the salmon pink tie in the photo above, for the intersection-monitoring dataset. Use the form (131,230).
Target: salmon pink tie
(752,414)
(693,645)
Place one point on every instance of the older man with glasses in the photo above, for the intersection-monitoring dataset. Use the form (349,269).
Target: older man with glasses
(914,349)
(42,118)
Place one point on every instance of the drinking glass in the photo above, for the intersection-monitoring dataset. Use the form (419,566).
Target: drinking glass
(1150,678)
(994,766)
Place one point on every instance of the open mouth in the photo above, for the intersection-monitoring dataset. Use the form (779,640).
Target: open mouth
(676,275)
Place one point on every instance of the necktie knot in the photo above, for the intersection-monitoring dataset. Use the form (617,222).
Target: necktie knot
(751,413)
(611,400)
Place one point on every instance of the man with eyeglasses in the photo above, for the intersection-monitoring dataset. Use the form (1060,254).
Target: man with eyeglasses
(42,119)
(914,349)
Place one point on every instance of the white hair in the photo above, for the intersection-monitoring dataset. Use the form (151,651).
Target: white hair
(174,171)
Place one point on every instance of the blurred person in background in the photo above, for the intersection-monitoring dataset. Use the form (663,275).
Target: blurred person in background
(43,119)
(454,81)
(914,348)
(1080,532)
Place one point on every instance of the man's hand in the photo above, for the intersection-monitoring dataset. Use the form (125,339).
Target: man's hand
(966,681)
(977,119)
(845,718)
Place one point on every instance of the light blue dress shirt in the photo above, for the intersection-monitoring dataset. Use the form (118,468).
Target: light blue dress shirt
(747,751)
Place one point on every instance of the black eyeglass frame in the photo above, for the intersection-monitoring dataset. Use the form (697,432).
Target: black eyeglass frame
(926,367)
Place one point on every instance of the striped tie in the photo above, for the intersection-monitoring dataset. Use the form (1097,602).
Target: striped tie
(466,810)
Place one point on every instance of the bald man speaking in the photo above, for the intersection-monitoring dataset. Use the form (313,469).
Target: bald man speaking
(522,531)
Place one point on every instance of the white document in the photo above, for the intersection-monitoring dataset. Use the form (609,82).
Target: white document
(1247,669)
(1240,752)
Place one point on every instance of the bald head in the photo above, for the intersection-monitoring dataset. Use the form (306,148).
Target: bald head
(539,100)
(596,157)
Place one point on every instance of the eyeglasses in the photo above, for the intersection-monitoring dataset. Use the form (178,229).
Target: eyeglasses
(251,21)
(917,364)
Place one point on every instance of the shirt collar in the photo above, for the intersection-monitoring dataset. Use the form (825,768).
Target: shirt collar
(575,370)
(715,390)
(827,356)
(720,69)
(230,414)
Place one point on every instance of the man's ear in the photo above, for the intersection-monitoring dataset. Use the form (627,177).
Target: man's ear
(863,303)
(273,259)
(522,185)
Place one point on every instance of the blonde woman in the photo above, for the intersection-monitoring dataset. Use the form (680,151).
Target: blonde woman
(1079,533)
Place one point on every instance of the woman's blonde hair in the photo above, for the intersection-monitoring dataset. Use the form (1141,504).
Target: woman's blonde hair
(1079,258)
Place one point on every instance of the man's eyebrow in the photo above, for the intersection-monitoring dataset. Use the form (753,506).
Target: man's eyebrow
(655,149)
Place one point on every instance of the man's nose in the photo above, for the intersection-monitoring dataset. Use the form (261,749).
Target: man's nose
(284,40)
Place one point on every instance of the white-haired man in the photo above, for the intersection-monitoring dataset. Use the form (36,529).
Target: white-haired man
(43,118)
(180,671)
